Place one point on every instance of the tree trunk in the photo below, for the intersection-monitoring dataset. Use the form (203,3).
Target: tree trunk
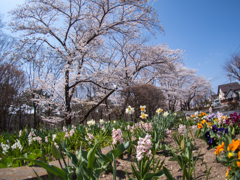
(20,119)
(35,115)
(4,120)
(68,119)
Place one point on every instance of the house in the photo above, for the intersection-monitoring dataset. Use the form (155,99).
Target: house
(229,93)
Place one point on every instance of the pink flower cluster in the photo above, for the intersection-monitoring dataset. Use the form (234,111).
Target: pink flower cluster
(64,129)
(39,139)
(144,144)
(131,128)
(56,145)
(72,131)
(168,131)
(182,129)
(46,139)
(67,135)
(90,136)
(146,126)
(117,136)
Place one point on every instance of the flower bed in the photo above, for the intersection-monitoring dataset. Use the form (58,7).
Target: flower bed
(137,145)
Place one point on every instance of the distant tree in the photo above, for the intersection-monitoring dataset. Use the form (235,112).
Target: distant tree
(12,81)
(203,99)
(181,86)
(146,94)
(232,66)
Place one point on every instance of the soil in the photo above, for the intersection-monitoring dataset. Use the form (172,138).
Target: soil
(207,155)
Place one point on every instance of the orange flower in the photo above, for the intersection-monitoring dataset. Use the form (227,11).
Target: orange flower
(238,163)
(199,115)
(209,124)
(219,149)
(234,145)
(230,146)
(199,126)
(193,115)
(203,113)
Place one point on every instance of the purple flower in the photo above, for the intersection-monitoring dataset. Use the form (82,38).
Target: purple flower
(210,141)
(214,129)
(221,130)
(208,137)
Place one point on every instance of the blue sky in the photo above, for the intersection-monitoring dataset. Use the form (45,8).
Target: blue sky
(207,30)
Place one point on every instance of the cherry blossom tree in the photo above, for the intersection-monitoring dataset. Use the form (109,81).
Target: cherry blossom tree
(78,32)
(181,86)
(140,64)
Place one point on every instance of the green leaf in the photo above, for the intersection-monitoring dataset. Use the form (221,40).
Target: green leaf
(223,160)
(6,162)
(37,175)
(97,171)
(79,172)
(114,168)
(146,167)
(167,174)
(73,158)
(127,174)
(35,154)
(135,172)
(237,174)
(91,156)
(103,159)
(118,151)
(45,160)
(55,152)
(149,176)
(157,165)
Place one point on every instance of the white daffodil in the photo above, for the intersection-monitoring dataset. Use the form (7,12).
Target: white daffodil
(143,108)
(101,121)
(165,114)
(159,110)
(143,116)
(130,110)
(90,123)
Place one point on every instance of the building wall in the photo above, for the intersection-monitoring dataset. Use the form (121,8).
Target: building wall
(221,95)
